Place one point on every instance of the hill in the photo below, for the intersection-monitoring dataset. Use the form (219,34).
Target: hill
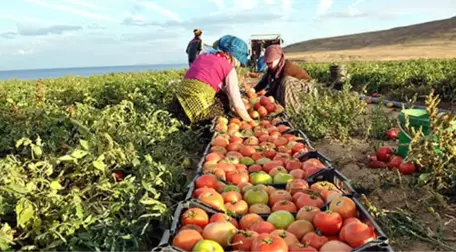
(431,39)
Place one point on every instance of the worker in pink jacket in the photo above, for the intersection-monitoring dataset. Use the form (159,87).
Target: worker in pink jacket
(199,96)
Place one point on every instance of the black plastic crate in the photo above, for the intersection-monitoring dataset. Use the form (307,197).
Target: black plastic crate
(380,244)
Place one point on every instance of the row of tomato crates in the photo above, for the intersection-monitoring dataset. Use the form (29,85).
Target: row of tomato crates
(300,217)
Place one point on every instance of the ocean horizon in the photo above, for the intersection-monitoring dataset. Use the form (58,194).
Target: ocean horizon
(32,74)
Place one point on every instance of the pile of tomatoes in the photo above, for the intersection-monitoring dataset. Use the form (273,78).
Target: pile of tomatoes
(385,158)
(240,181)
(259,106)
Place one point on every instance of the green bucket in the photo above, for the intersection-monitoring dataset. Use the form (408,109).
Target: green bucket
(417,118)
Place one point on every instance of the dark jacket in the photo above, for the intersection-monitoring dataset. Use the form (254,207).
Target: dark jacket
(194,47)
(289,69)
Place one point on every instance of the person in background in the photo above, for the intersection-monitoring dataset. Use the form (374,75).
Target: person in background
(194,47)
(261,64)
(284,79)
(198,97)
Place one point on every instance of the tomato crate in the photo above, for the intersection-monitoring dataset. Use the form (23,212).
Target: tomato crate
(302,227)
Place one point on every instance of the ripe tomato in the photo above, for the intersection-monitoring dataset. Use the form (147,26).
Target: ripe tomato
(248,220)
(186,239)
(330,195)
(284,205)
(259,209)
(269,243)
(217,172)
(307,213)
(202,190)
(293,165)
(309,200)
(247,151)
(239,208)
(267,167)
(407,168)
(262,227)
(329,223)
(279,195)
(322,186)
(206,180)
(314,240)
(296,185)
(300,227)
(237,177)
(195,216)
(213,199)
(356,234)
(345,206)
(243,240)
(231,196)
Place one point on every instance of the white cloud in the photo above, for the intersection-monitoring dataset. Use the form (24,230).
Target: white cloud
(75,11)
(286,5)
(324,6)
(269,1)
(358,2)
(165,12)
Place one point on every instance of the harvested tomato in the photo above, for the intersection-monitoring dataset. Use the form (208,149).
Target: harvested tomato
(195,216)
(212,199)
(243,240)
(248,220)
(322,186)
(300,227)
(269,243)
(237,177)
(288,237)
(231,196)
(186,239)
(392,133)
(202,190)
(407,168)
(284,205)
(307,213)
(206,180)
(335,245)
(240,207)
(309,200)
(395,162)
(329,223)
(384,153)
(296,185)
(356,234)
(345,206)
(278,195)
(262,227)
(314,240)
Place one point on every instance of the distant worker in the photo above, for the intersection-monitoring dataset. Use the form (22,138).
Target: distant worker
(194,47)
(200,96)
(284,79)
(261,65)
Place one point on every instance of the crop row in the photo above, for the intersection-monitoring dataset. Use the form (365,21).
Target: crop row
(261,186)
(397,79)
(90,164)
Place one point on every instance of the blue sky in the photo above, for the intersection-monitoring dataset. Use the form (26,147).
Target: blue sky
(73,33)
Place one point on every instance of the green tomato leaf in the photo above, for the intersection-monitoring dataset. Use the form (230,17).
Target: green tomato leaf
(99,165)
(84,144)
(25,211)
(78,154)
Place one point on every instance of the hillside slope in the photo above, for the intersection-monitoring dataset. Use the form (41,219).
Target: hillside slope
(438,32)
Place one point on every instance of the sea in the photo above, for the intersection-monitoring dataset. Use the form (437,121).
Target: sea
(32,74)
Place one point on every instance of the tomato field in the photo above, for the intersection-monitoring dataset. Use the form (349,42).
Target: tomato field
(399,80)
(99,164)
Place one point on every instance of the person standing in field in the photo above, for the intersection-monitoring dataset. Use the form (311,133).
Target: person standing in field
(194,47)
(284,79)
(211,84)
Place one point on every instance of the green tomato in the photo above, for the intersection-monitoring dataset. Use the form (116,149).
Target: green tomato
(248,161)
(282,178)
(260,178)
(207,246)
(256,196)
(281,219)
(229,188)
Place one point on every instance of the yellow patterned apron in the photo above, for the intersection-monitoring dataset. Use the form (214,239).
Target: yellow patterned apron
(195,98)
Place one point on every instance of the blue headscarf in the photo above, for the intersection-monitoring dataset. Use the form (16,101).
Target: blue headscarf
(234,46)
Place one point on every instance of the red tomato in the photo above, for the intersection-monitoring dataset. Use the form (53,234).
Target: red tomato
(407,168)
(202,190)
(269,243)
(262,227)
(206,180)
(118,175)
(195,216)
(243,240)
(356,234)
(284,205)
(314,240)
(192,227)
(186,239)
(213,199)
(329,223)
(237,177)
(239,208)
(309,200)
(297,185)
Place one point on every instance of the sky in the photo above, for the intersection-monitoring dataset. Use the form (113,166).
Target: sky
(37,34)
